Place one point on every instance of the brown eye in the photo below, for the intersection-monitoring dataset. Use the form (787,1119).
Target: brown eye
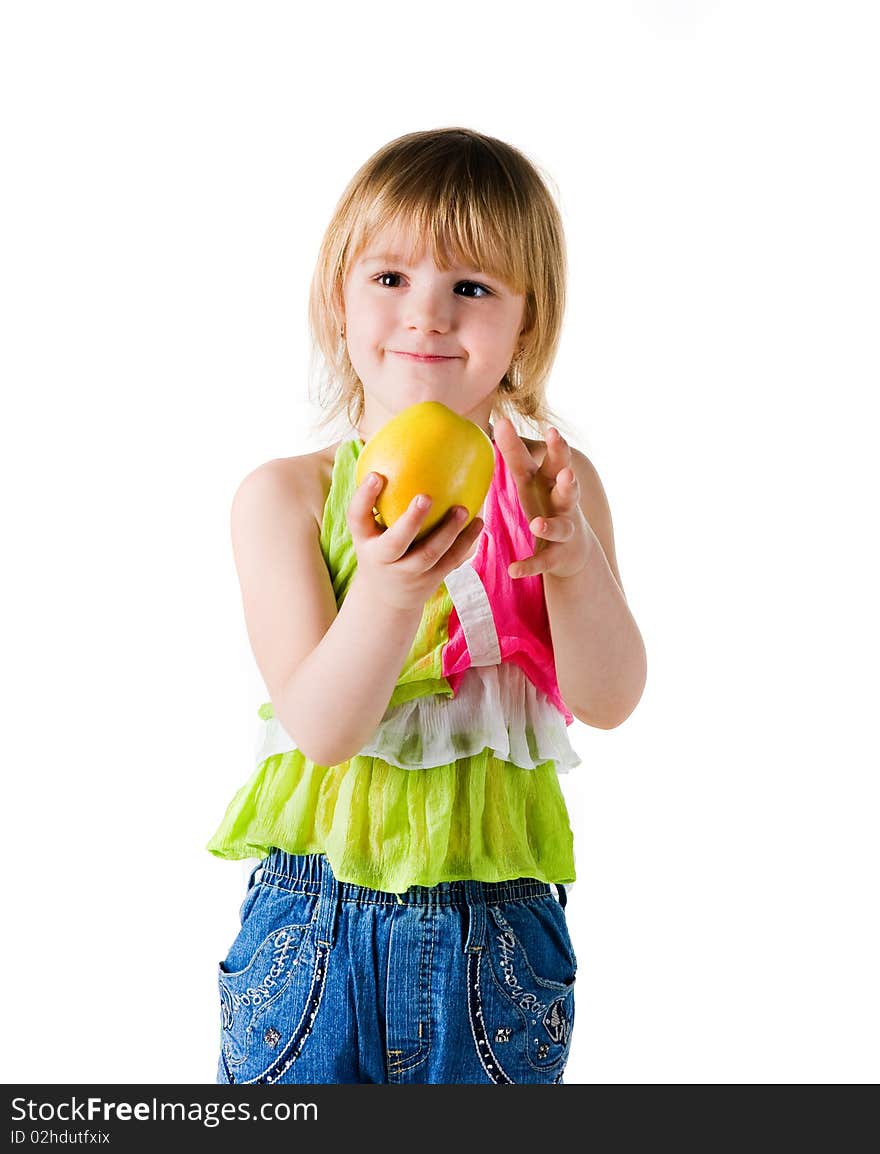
(470,284)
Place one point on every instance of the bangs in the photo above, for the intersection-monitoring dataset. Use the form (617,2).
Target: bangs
(459,223)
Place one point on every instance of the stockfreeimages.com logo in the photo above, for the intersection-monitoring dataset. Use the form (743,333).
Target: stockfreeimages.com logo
(208,1113)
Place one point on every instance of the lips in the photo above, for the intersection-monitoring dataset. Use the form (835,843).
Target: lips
(426,358)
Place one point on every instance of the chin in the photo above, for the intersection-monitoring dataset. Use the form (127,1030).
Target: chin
(415,395)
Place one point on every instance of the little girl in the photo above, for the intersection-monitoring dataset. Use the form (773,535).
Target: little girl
(402,924)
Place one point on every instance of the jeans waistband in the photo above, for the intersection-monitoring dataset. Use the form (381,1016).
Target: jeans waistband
(306,873)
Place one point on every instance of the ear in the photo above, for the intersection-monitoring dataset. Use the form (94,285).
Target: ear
(338,314)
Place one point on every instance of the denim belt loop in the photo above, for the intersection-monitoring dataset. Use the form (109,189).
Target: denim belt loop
(476,907)
(253,879)
(328,906)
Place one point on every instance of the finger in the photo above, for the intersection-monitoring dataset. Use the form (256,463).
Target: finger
(558,454)
(517,457)
(552,528)
(360,516)
(463,548)
(399,536)
(522,466)
(565,495)
(434,547)
(537,563)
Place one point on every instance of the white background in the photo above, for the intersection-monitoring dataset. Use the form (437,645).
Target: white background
(169,171)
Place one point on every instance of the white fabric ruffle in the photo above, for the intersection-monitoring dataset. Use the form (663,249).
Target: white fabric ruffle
(496,707)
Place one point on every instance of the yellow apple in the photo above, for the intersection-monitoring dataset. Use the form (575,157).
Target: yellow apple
(427,448)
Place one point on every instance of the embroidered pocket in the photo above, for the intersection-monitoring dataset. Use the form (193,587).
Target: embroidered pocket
(270,986)
(521,992)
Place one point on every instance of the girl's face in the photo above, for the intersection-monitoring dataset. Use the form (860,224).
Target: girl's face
(416,333)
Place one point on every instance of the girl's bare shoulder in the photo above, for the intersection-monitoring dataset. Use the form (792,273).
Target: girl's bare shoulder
(305,479)
(538,449)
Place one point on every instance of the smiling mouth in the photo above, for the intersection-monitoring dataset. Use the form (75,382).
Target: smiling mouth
(428,360)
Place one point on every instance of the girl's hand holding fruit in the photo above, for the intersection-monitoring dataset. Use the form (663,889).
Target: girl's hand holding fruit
(424,475)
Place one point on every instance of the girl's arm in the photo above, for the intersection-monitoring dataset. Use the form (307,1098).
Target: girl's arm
(601,665)
(331,675)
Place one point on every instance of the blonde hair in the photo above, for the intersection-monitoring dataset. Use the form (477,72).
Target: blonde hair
(477,201)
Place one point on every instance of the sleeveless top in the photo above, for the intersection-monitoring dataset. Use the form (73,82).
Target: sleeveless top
(459,781)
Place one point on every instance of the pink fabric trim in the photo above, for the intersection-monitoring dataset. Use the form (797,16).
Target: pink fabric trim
(518,606)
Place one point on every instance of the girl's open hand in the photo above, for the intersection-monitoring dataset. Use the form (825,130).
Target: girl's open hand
(400,573)
(549,494)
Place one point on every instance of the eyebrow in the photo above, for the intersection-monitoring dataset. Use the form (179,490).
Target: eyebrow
(393,257)
(385,258)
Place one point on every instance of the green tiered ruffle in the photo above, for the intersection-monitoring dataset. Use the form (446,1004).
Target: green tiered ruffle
(389,828)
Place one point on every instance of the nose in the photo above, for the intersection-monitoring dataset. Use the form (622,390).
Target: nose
(429,309)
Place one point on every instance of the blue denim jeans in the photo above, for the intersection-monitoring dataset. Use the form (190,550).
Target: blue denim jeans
(329,982)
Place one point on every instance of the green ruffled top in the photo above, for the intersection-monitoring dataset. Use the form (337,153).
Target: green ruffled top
(386,826)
